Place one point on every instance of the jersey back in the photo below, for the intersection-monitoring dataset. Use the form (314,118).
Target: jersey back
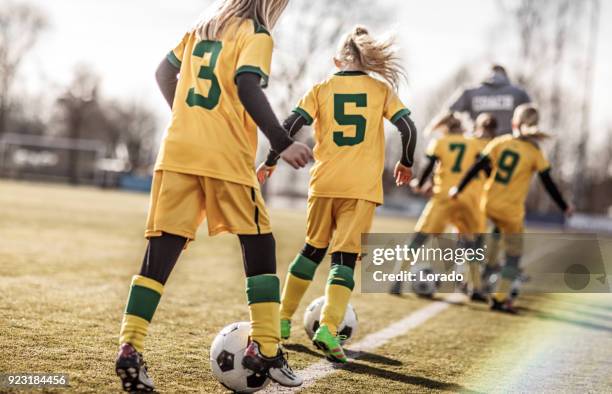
(348,110)
(514,162)
(210,133)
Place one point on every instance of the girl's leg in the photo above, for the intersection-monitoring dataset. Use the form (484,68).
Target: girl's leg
(338,290)
(147,287)
(263,290)
(299,277)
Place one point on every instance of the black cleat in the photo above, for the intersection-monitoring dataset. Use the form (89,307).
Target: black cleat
(396,288)
(276,368)
(132,370)
(503,306)
(478,297)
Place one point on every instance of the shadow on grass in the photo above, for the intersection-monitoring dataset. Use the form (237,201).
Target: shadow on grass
(427,383)
(561,319)
(365,356)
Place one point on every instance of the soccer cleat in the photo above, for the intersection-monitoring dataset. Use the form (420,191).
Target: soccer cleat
(276,368)
(285,328)
(478,297)
(503,306)
(396,288)
(330,344)
(132,370)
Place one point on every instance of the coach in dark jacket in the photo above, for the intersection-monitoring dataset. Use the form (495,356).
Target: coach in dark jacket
(495,95)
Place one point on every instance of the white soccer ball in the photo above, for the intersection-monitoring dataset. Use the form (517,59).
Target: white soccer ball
(312,318)
(423,287)
(226,354)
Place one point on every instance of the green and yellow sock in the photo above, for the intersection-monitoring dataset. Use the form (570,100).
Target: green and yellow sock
(263,297)
(340,284)
(143,299)
(508,274)
(474,278)
(299,277)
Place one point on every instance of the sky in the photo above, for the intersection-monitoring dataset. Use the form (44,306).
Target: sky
(124,40)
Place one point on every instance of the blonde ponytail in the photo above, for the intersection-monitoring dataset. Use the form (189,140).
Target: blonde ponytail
(265,13)
(525,119)
(371,55)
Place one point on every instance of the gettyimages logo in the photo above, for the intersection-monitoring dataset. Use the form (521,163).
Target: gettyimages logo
(548,262)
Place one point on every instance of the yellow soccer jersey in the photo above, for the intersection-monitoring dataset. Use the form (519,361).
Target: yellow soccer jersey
(210,133)
(514,162)
(454,154)
(348,110)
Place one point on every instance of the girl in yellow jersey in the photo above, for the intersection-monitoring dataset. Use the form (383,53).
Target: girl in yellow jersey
(348,110)
(512,161)
(449,158)
(205,169)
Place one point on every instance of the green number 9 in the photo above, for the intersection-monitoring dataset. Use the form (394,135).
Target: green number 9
(506,165)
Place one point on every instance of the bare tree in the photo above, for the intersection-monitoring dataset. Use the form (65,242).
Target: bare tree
(20,28)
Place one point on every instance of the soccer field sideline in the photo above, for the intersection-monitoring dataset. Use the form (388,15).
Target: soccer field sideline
(370,342)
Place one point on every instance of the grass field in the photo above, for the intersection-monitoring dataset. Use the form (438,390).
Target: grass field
(67,256)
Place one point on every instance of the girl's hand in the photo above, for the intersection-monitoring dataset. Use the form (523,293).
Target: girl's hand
(402,174)
(414,186)
(297,155)
(264,172)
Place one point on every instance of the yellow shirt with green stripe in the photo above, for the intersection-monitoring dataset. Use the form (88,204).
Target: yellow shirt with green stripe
(210,133)
(454,155)
(348,110)
(514,161)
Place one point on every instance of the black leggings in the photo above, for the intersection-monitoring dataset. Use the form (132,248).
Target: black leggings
(258,254)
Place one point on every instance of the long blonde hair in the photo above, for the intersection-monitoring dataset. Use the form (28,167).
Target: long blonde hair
(525,121)
(264,12)
(358,47)
(447,122)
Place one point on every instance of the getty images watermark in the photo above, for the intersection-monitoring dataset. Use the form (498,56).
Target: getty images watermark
(549,262)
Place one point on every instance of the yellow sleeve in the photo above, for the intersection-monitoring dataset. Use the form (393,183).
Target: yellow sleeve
(394,108)
(432,149)
(541,163)
(175,56)
(256,56)
(308,106)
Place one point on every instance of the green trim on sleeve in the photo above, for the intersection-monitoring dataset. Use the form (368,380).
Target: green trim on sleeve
(254,70)
(304,114)
(399,114)
(173,59)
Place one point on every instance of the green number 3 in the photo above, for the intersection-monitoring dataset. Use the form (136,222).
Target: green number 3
(207,73)
(507,163)
(360,100)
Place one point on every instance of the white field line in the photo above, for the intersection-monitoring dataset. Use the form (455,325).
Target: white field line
(370,342)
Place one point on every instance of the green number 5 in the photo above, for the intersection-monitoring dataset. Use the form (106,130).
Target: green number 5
(207,73)
(360,100)
(507,163)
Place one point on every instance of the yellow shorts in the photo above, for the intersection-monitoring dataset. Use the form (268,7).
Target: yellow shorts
(439,212)
(511,227)
(180,202)
(343,218)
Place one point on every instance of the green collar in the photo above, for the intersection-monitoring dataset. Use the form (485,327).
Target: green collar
(350,73)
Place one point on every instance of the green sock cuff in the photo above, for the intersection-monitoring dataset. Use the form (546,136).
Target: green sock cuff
(303,268)
(262,288)
(142,302)
(341,275)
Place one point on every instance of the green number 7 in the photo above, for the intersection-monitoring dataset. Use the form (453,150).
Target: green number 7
(461,148)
